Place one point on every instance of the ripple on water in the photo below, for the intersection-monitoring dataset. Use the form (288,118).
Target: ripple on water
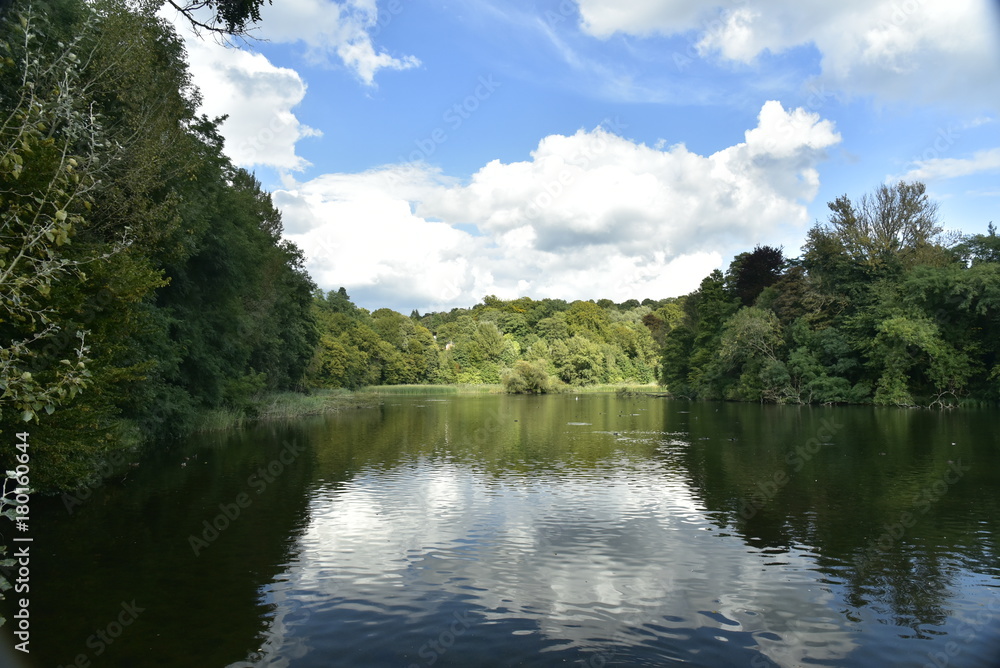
(614,561)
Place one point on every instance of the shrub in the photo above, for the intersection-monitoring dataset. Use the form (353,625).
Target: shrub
(527,378)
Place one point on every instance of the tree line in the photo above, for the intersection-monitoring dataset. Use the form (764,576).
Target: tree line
(143,277)
(529,345)
(883,306)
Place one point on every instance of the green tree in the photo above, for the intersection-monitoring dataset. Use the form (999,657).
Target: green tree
(50,166)
(527,378)
(750,273)
(896,224)
(907,342)
(980,248)
(688,365)
(154,263)
(578,361)
(222,18)
(587,319)
(750,346)
(553,328)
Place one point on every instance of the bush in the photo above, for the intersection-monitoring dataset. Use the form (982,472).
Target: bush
(527,378)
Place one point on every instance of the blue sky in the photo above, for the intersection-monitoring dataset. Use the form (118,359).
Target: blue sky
(425,153)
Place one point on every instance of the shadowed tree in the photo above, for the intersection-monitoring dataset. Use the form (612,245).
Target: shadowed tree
(751,272)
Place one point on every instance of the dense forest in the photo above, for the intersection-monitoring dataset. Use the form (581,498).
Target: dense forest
(882,306)
(144,279)
(529,345)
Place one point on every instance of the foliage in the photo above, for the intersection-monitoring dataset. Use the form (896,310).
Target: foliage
(527,378)
(142,276)
(579,343)
(879,308)
(50,163)
(222,18)
(751,272)
(894,226)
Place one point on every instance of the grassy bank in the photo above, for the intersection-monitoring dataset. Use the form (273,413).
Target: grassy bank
(561,388)
(294,405)
(434,389)
(287,406)
(632,388)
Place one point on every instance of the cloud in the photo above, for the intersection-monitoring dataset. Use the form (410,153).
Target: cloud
(951,168)
(596,188)
(590,215)
(603,18)
(257,96)
(894,49)
(340,29)
(359,231)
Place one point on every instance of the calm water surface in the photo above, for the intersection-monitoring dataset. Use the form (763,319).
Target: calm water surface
(536,531)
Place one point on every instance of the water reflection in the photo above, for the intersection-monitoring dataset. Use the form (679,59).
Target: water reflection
(532,531)
(403,550)
(612,549)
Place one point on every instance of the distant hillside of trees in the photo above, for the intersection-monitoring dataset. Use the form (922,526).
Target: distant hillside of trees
(882,307)
(576,343)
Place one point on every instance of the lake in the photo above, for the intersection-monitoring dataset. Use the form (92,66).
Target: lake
(485,530)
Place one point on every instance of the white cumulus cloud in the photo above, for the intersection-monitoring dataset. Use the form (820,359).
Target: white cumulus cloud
(895,49)
(261,128)
(332,31)
(590,215)
(259,97)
